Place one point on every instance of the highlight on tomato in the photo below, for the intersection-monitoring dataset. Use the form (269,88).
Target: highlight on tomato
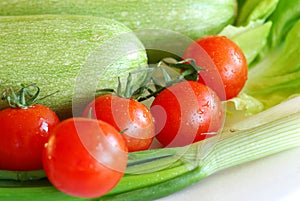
(229,61)
(185,113)
(131,118)
(85,157)
(24,129)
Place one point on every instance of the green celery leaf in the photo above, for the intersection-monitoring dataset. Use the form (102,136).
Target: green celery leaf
(284,17)
(277,77)
(251,38)
(253,10)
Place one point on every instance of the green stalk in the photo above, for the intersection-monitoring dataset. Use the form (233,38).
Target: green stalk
(159,190)
(21,175)
(246,145)
(134,182)
(45,193)
(235,147)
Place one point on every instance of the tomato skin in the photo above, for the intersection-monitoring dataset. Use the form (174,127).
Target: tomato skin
(23,133)
(186,112)
(230,63)
(128,116)
(85,157)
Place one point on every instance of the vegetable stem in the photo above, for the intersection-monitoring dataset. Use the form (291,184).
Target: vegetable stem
(21,175)
(161,189)
(254,143)
(233,148)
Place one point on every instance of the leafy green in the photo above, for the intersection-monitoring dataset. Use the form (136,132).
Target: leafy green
(252,10)
(277,77)
(268,35)
(284,17)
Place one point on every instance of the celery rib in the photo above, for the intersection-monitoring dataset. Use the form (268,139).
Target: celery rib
(258,142)
(233,149)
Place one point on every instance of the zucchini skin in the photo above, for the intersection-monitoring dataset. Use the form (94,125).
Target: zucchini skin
(193,18)
(53,50)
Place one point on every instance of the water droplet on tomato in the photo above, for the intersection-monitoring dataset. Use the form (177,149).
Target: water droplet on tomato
(200,111)
(44,128)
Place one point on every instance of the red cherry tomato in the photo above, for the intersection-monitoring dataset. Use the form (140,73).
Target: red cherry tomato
(85,157)
(23,133)
(186,112)
(130,117)
(230,64)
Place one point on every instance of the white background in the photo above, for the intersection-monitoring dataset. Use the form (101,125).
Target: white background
(274,178)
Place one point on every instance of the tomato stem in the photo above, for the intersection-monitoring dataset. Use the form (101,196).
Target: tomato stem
(153,83)
(23,98)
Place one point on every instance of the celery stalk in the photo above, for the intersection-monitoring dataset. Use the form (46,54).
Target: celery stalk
(236,146)
(250,144)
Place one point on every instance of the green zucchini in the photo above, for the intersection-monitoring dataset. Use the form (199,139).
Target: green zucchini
(193,18)
(74,55)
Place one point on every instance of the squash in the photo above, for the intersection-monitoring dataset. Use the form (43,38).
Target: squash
(74,55)
(193,18)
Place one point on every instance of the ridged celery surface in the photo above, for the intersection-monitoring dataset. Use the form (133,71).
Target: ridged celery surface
(156,173)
